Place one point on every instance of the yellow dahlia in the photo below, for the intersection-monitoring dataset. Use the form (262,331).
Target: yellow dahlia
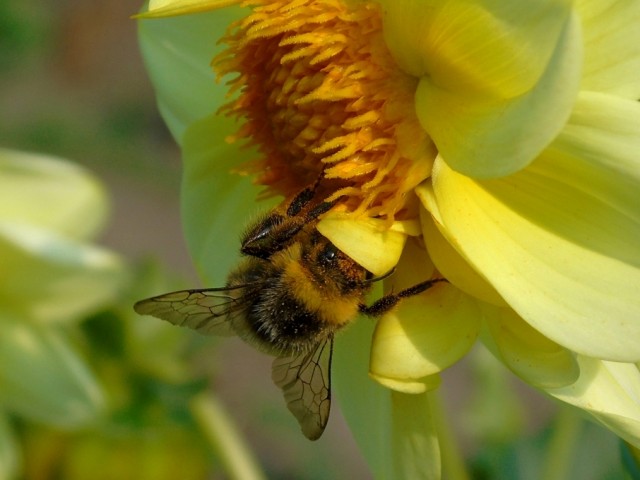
(494,143)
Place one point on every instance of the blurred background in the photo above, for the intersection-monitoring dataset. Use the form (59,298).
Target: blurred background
(72,84)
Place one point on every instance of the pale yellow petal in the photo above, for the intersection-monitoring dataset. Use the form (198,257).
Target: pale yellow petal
(485,137)
(610,392)
(170,8)
(367,241)
(407,386)
(612,46)
(449,262)
(422,336)
(498,48)
(559,240)
(415,266)
(529,354)
(497,79)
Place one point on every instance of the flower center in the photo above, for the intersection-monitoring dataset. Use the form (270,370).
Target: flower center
(321,97)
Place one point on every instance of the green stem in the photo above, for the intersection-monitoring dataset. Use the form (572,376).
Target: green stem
(562,446)
(224,438)
(453,465)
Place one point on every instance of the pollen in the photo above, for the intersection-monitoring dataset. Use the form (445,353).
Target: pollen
(320,97)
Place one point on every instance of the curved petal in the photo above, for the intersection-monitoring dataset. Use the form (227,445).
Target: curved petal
(169,8)
(42,378)
(50,278)
(559,240)
(450,263)
(497,79)
(612,46)
(50,193)
(529,354)
(415,266)
(416,451)
(408,386)
(483,137)
(496,48)
(177,53)
(368,242)
(610,392)
(215,203)
(421,337)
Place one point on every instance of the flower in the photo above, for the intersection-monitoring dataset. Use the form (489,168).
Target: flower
(497,146)
(51,278)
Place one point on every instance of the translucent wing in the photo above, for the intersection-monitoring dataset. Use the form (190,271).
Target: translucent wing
(305,380)
(207,310)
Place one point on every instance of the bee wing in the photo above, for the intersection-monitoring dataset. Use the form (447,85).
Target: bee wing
(206,310)
(305,380)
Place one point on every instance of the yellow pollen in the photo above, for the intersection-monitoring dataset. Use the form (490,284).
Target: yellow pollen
(320,97)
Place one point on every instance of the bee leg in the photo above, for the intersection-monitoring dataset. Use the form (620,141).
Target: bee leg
(301,200)
(276,230)
(322,207)
(386,303)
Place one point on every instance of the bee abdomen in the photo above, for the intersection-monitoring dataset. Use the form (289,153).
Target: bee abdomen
(283,322)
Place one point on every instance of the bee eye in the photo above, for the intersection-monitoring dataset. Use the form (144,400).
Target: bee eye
(328,255)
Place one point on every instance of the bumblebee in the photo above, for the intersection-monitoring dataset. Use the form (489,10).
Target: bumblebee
(288,297)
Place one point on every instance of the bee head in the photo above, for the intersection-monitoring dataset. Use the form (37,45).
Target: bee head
(330,266)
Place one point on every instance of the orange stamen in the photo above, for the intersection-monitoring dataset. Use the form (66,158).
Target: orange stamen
(319,94)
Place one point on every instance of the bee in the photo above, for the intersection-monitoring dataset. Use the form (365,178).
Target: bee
(288,297)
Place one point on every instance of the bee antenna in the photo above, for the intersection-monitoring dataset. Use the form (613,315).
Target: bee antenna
(381,277)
